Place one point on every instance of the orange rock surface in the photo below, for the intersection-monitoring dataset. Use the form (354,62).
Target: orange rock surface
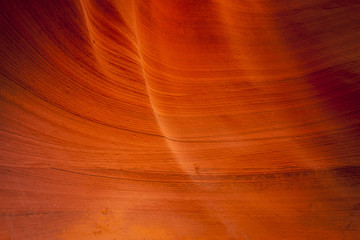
(180,119)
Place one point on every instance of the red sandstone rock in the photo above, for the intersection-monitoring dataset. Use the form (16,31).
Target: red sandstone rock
(180,119)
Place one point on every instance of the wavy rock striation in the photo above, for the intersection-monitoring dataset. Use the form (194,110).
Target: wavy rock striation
(180,119)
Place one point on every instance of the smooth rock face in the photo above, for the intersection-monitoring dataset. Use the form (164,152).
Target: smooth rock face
(180,119)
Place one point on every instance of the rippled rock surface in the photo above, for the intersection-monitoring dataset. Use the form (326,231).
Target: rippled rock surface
(180,119)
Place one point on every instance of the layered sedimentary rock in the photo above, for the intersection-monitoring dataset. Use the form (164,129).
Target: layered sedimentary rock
(180,119)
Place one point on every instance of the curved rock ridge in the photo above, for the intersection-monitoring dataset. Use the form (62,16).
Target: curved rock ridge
(180,119)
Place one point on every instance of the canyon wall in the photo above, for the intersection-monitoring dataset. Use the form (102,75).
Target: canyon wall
(180,119)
